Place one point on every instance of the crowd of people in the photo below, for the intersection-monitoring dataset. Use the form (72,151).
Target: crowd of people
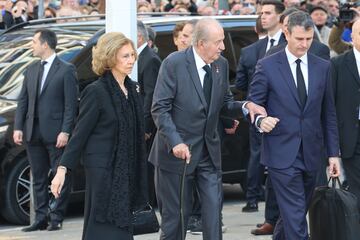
(302,120)
(18,11)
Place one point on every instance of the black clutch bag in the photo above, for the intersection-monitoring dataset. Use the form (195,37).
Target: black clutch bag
(145,221)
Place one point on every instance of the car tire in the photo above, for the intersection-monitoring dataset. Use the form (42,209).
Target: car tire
(16,194)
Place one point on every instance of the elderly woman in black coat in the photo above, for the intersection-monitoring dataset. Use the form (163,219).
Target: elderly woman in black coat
(110,136)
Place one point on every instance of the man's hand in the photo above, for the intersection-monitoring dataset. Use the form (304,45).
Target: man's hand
(62,140)
(58,182)
(255,109)
(334,167)
(18,137)
(268,124)
(232,130)
(182,151)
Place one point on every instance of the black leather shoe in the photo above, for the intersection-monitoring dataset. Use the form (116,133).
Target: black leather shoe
(250,207)
(54,226)
(38,225)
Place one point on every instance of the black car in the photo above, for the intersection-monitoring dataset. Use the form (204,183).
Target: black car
(75,41)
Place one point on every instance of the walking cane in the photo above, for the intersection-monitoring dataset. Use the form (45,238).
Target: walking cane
(182,185)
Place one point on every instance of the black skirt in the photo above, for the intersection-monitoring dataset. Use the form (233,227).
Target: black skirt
(94,230)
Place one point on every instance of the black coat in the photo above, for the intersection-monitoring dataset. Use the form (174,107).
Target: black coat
(96,138)
(346,84)
(148,70)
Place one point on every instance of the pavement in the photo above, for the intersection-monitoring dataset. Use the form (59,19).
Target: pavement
(238,223)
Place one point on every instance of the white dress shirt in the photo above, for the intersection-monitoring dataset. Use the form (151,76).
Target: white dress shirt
(200,63)
(47,66)
(303,65)
(141,48)
(276,37)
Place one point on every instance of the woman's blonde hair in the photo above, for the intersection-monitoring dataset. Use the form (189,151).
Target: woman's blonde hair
(104,53)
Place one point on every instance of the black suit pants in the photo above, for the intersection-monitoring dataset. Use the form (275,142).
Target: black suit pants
(255,170)
(44,158)
(352,170)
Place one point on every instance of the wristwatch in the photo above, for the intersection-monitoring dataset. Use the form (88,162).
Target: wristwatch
(258,122)
(63,167)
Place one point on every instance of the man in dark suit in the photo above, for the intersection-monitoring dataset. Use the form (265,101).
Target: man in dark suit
(148,70)
(271,208)
(44,119)
(345,71)
(191,91)
(295,88)
(270,15)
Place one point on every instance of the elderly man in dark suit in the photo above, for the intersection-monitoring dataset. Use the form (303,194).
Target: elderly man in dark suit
(270,15)
(191,92)
(44,119)
(345,71)
(295,88)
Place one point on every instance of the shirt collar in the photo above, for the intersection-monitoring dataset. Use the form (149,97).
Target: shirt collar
(292,58)
(357,54)
(50,59)
(200,63)
(277,36)
(141,48)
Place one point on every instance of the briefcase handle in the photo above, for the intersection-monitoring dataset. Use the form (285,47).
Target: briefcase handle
(334,181)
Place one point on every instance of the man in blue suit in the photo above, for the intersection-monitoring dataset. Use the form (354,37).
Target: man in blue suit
(295,88)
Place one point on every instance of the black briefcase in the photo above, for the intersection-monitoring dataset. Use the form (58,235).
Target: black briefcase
(334,214)
(145,221)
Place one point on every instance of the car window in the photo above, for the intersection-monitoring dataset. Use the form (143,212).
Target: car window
(12,75)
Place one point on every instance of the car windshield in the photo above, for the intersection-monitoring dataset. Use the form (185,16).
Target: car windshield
(16,56)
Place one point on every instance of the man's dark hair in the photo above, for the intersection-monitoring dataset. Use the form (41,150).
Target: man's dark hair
(48,36)
(279,6)
(287,12)
(301,19)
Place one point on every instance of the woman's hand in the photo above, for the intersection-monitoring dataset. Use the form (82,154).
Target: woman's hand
(58,181)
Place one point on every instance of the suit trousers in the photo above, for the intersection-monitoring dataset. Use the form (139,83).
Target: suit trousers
(209,184)
(352,170)
(255,170)
(44,159)
(293,188)
(272,212)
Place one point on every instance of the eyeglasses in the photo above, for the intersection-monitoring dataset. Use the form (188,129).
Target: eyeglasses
(335,6)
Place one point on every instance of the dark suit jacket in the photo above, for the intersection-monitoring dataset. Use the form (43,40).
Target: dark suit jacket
(346,83)
(148,70)
(249,56)
(57,103)
(182,114)
(317,48)
(273,86)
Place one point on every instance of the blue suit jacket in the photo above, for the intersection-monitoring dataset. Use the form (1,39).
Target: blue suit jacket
(273,86)
(248,58)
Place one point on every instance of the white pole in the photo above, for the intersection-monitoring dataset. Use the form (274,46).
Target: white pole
(121,17)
